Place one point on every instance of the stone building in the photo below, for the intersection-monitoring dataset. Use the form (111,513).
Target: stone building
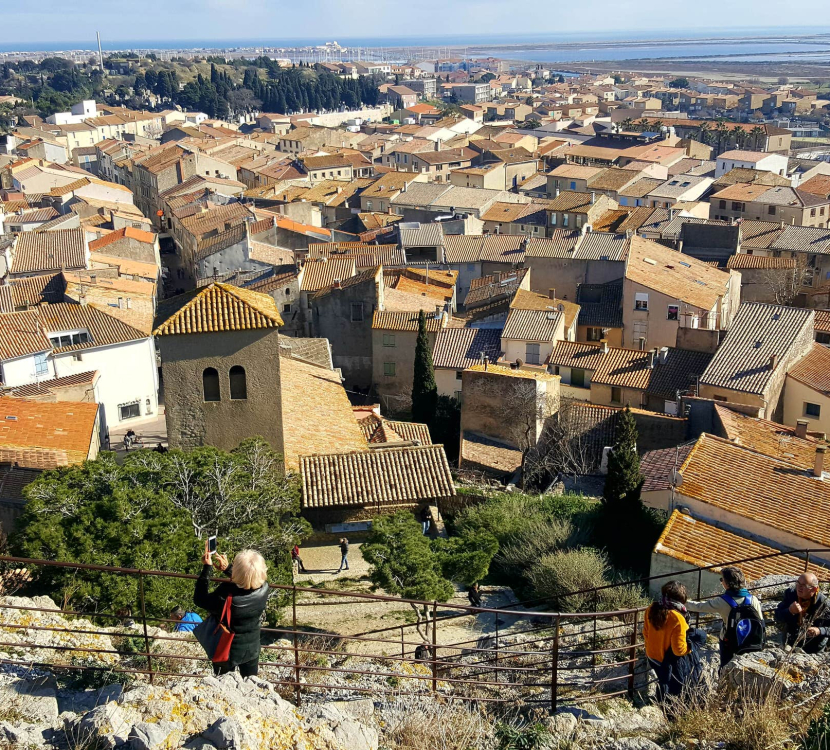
(229,375)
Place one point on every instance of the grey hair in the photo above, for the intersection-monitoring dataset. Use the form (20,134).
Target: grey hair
(249,570)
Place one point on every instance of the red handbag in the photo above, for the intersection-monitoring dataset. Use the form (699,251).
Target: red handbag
(223,648)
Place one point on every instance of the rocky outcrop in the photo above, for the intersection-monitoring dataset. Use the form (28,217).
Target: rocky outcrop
(212,713)
(790,674)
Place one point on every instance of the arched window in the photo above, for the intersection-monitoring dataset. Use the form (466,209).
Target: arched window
(239,386)
(210,384)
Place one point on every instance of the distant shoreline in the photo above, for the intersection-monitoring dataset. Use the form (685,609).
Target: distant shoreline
(473,45)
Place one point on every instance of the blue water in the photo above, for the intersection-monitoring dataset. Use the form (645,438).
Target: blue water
(766,42)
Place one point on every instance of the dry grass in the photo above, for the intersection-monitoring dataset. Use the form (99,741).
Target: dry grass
(430,725)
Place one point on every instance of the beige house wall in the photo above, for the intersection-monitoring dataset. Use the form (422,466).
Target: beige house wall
(796,394)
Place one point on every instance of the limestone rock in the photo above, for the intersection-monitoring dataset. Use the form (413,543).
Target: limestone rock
(795,672)
(227,734)
(347,732)
(630,743)
(561,725)
(106,725)
(158,736)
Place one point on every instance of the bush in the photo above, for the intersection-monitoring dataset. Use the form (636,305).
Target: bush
(557,574)
(818,735)
(528,737)
(530,544)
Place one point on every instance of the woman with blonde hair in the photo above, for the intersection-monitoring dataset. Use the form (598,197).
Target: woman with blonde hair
(249,590)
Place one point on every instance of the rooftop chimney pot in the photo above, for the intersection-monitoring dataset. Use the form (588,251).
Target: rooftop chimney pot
(818,467)
(801,428)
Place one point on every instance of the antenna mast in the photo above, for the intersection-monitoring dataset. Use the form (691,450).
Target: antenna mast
(100,54)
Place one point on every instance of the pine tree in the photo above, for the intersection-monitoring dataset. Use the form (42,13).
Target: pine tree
(623,482)
(424,390)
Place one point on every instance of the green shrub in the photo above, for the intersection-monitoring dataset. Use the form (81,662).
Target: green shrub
(530,544)
(557,574)
(818,735)
(528,737)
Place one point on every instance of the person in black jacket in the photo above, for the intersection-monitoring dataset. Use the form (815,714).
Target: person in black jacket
(249,588)
(805,614)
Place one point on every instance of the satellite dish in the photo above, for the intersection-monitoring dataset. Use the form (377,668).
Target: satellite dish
(676,478)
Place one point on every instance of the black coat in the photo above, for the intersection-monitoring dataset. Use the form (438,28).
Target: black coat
(817,615)
(246,610)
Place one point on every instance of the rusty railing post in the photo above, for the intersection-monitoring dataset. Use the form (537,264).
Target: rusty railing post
(294,639)
(434,647)
(144,623)
(554,666)
(594,639)
(403,648)
(699,594)
(632,654)
(496,660)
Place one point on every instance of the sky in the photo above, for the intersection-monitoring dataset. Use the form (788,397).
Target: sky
(326,20)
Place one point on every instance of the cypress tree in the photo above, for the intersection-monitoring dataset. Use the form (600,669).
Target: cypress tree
(424,390)
(623,482)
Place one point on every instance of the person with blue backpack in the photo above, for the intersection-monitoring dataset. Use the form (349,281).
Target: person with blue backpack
(744,629)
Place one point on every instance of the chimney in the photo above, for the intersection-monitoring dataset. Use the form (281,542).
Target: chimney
(801,426)
(437,144)
(552,293)
(663,355)
(773,361)
(337,284)
(818,467)
(593,197)
(642,342)
(652,358)
(603,345)
(671,214)
(556,192)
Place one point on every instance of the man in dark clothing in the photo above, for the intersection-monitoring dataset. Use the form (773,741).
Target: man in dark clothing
(805,614)
(426,519)
(344,554)
(474,595)
(249,588)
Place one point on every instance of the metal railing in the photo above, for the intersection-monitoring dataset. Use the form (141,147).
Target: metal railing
(542,657)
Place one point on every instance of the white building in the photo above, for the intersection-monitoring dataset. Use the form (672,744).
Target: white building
(56,341)
(759,160)
(79,112)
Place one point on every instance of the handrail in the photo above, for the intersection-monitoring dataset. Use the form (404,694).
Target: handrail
(540,658)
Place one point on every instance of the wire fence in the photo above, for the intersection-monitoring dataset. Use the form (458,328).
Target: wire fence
(505,655)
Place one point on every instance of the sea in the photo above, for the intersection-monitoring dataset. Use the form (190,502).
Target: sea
(782,44)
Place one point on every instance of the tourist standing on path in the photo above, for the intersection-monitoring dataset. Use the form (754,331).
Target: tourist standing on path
(344,554)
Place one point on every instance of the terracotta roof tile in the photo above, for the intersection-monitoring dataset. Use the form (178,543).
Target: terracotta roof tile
(814,369)
(217,307)
(759,330)
(44,434)
(629,368)
(769,438)
(699,544)
(49,251)
(460,348)
(318,274)
(754,486)
(405,321)
(383,477)
(678,276)
(656,466)
(119,234)
(532,325)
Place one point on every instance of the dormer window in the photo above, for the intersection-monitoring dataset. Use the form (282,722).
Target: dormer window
(69,338)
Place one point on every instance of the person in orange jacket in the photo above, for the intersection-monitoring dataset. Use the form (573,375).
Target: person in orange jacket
(671,646)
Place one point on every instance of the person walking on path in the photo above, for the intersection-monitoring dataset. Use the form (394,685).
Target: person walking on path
(344,554)
(734,605)
(298,561)
(671,646)
(249,588)
(426,519)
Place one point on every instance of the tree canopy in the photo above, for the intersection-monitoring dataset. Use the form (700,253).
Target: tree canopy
(623,481)
(152,512)
(424,390)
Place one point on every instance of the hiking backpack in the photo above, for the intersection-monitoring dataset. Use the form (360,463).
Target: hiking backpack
(746,630)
